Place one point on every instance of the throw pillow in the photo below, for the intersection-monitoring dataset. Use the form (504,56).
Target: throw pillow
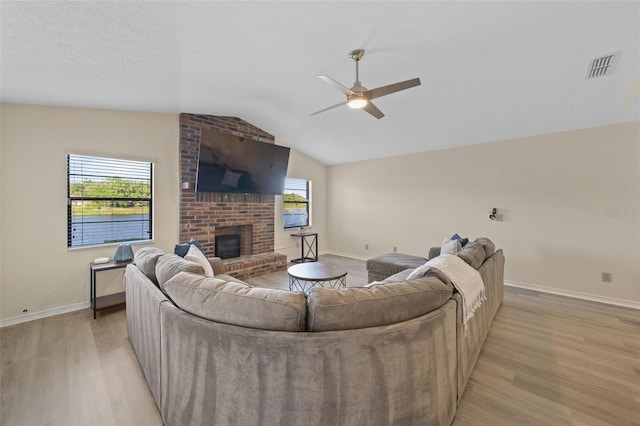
(463,241)
(197,244)
(451,247)
(195,255)
(182,249)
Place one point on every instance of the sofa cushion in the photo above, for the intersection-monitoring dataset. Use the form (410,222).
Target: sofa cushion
(473,253)
(146,259)
(489,246)
(172,264)
(382,304)
(237,303)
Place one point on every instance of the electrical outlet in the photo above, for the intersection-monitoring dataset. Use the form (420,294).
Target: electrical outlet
(366,246)
(395,249)
(607,277)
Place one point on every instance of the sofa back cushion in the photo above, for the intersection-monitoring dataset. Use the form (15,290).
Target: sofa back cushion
(489,246)
(170,265)
(361,307)
(238,303)
(146,259)
(472,253)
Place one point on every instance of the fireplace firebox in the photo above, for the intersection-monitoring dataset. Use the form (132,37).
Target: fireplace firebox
(227,246)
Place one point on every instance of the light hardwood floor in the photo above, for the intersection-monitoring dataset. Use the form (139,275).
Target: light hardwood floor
(548,360)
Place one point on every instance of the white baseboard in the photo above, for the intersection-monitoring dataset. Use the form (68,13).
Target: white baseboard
(43,314)
(352,256)
(575,294)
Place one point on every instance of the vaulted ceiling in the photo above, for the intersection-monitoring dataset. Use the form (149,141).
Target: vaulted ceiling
(489,70)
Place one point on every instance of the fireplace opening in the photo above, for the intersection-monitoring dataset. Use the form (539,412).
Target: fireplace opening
(227,246)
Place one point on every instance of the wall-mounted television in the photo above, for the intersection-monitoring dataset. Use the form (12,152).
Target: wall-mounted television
(235,164)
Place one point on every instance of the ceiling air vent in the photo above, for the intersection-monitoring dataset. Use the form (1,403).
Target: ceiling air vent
(605,65)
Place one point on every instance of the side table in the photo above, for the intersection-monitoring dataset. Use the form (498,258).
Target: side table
(308,247)
(306,276)
(98,303)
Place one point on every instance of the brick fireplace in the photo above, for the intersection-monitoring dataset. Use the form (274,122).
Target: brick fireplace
(205,215)
(245,232)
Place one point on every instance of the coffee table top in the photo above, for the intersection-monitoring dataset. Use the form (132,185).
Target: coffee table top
(316,271)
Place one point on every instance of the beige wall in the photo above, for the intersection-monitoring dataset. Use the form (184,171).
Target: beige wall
(570,200)
(304,167)
(34,144)
(38,271)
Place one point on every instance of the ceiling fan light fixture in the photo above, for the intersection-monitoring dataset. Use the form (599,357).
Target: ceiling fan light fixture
(358,96)
(357,102)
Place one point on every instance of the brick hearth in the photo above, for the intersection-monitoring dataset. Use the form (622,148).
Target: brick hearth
(201,214)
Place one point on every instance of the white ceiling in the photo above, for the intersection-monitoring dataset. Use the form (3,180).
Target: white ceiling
(489,70)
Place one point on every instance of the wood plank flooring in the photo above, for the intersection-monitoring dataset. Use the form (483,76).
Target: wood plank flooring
(548,360)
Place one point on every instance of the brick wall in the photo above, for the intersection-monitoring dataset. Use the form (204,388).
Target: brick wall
(202,213)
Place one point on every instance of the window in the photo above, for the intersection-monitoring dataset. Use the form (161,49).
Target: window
(297,196)
(108,200)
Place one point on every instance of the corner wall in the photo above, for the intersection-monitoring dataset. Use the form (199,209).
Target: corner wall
(39,273)
(571,206)
(304,167)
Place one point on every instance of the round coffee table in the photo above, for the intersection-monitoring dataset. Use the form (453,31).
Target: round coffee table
(305,276)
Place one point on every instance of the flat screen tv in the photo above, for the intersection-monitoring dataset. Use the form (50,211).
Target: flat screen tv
(235,164)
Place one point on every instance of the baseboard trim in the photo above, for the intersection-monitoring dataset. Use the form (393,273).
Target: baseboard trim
(352,256)
(43,314)
(575,294)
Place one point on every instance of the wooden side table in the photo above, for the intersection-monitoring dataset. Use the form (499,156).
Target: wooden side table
(102,302)
(308,247)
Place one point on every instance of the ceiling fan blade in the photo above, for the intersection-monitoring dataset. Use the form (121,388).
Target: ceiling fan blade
(335,84)
(392,88)
(373,110)
(331,107)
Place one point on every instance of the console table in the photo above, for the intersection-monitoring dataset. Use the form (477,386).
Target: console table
(308,247)
(102,302)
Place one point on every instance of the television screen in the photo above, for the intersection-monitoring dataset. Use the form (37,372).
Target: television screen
(230,163)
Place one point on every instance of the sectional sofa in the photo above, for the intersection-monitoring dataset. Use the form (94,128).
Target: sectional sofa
(215,350)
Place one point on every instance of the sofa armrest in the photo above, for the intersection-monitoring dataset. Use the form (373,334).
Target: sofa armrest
(217,265)
(434,252)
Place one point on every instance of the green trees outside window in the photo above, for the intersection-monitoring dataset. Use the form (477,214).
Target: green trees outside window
(108,200)
(296,199)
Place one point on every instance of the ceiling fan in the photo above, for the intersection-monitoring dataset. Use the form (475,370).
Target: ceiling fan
(359,97)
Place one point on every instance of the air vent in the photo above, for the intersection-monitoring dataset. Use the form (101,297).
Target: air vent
(605,65)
